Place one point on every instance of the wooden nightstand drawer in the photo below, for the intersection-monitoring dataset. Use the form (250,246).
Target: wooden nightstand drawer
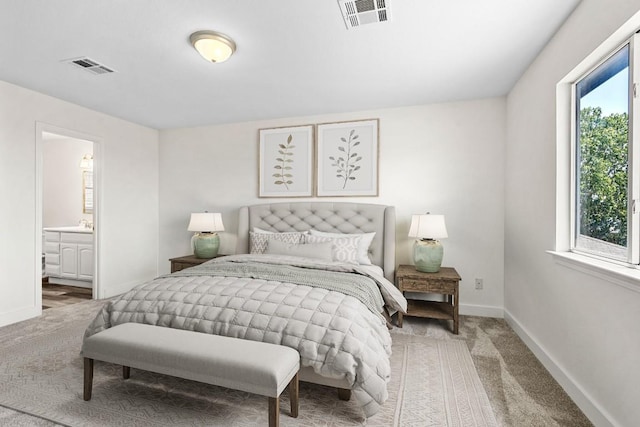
(187,261)
(434,286)
(177,266)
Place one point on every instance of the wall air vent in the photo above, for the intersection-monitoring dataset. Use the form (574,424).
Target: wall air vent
(89,65)
(362,12)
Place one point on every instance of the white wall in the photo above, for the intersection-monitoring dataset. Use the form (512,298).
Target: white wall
(586,330)
(128,225)
(62,181)
(446,158)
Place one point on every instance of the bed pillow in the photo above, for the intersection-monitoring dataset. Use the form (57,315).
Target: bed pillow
(321,251)
(260,230)
(258,241)
(363,246)
(343,249)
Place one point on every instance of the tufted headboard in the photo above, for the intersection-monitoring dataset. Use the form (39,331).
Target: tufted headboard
(330,217)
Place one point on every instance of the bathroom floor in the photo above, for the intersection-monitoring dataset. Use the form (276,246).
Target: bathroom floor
(59,295)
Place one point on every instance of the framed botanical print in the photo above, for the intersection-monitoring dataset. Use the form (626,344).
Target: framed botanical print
(347,154)
(286,162)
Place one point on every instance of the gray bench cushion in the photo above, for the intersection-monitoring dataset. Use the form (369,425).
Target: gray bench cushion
(250,366)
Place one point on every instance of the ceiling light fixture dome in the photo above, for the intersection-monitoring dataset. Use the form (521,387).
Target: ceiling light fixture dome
(213,46)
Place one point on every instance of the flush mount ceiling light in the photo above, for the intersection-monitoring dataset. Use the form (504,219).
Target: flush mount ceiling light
(213,46)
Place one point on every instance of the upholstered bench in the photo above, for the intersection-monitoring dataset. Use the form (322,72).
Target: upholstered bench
(250,366)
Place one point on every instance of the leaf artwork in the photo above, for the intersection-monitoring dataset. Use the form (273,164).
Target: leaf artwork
(283,167)
(345,163)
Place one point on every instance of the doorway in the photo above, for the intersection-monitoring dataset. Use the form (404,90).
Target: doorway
(67,216)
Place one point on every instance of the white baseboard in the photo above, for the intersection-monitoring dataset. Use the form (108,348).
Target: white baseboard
(70,282)
(481,310)
(596,414)
(121,288)
(19,315)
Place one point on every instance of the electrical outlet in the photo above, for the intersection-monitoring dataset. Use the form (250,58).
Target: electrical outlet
(479,284)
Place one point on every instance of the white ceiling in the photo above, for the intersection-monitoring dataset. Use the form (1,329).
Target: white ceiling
(294,57)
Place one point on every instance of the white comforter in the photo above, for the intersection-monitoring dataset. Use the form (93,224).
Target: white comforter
(335,334)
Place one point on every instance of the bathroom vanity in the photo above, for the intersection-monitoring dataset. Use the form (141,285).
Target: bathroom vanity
(69,255)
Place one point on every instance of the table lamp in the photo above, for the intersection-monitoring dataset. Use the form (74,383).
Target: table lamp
(206,240)
(427,250)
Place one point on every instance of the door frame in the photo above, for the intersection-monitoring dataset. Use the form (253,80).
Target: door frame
(39,202)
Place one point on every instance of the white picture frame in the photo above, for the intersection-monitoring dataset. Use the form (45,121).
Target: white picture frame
(347,156)
(286,162)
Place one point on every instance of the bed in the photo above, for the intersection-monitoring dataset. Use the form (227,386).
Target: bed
(333,312)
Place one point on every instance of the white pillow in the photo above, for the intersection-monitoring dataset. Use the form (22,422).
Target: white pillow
(363,247)
(344,249)
(260,230)
(321,251)
(258,241)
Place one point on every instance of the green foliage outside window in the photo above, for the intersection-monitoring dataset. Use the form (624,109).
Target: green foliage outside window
(603,175)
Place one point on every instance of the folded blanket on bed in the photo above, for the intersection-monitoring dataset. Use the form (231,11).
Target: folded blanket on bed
(335,333)
(393,298)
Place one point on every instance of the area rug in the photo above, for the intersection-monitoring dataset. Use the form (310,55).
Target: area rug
(434,383)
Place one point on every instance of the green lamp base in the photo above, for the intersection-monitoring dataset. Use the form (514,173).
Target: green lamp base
(205,245)
(427,255)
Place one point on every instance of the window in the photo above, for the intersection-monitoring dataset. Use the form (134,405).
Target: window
(604,221)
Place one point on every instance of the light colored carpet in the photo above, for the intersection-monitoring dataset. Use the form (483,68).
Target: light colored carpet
(434,383)
(521,391)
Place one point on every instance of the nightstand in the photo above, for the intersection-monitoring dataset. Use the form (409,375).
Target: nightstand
(444,282)
(183,262)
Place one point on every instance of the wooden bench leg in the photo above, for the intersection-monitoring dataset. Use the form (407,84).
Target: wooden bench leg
(126,372)
(274,411)
(294,389)
(88,378)
(344,394)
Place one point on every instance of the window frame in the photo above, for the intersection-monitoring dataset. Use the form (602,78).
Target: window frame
(633,160)
(608,272)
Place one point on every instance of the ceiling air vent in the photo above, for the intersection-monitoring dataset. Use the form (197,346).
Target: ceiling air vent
(362,12)
(89,65)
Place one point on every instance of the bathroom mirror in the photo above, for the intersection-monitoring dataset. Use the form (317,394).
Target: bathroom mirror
(87,192)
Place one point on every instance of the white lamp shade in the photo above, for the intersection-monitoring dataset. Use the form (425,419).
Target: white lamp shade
(206,222)
(428,227)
